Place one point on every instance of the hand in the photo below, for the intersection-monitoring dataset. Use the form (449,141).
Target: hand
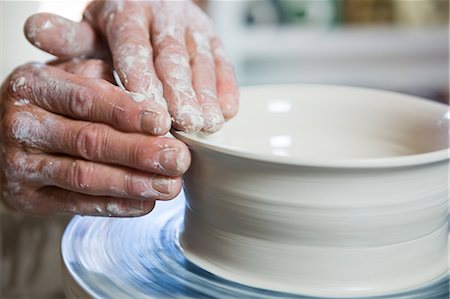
(165,52)
(73,142)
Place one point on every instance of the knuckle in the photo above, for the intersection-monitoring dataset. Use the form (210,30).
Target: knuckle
(91,141)
(80,175)
(94,63)
(18,169)
(169,46)
(24,128)
(215,42)
(9,123)
(12,166)
(119,115)
(130,186)
(81,100)
(138,153)
(21,79)
(94,68)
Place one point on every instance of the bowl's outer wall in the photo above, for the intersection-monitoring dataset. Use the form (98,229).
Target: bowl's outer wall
(316,230)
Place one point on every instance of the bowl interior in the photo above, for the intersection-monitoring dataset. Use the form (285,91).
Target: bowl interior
(331,123)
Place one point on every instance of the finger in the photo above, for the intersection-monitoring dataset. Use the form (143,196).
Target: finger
(82,98)
(125,25)
(94,179)
(127,31)
(53,200)
(172,65)
(89,68)
(52,133)
(62,37)
(204,80)
(227,88)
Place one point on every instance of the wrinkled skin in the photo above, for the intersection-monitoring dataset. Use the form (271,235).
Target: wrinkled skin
(73,142)
(164,52)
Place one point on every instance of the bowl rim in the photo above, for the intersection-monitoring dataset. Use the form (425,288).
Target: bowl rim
(386,162)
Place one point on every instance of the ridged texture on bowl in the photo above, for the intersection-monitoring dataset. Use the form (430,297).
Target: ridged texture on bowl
(316,231)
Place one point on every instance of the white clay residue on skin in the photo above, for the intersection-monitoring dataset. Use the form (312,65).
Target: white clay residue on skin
(71,38)
(25,167)
(117,191)
(179,60)
(220,53)
(20,82)
(154,89)
(134,57)
(133,63)
(31,33)
(47,25)
(136,210)
(169,18)
(119,5)
(180,81)
(98,209)
(21,102)
(202,44)
(182,160)
(137,97)
(118,81)
(213,115)
(30,130)
(148,192)
(208,93)
(189,117)
(84,103)
(114,209)
(30,170)
(37,64)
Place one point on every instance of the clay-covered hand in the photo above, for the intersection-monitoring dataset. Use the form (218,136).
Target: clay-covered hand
(165,53)
(73,142)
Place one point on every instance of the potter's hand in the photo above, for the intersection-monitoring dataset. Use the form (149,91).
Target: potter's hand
(73,142)
(165,52)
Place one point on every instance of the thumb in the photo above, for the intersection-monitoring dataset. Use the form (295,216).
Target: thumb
(61,37)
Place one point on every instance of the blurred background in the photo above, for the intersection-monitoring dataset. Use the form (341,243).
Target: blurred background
(400,45)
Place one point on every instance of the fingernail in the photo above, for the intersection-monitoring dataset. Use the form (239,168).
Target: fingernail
(135,208)
(168,159)
(188,119)
(229,105)
(174,160)
(155,123)
(162,184)
(214,119)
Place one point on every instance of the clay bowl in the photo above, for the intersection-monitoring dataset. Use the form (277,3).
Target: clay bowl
(322,190)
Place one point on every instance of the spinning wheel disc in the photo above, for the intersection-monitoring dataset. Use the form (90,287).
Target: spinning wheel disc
(141,258)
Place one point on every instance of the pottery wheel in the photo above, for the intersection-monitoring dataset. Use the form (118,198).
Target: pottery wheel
(141,258)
